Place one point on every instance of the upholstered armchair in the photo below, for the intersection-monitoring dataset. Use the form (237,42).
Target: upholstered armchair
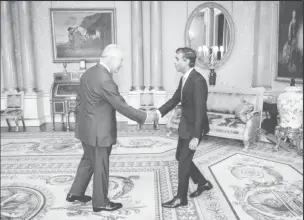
(14,109)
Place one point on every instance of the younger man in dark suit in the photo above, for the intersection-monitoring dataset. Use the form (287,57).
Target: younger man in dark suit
(192,92)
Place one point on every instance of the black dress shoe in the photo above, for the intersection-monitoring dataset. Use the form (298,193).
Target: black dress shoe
(112,206)
(175,202)
(73,198)
(200,189)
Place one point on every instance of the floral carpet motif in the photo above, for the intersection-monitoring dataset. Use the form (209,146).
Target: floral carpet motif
(37,170)
(22,197)
(70,145)
(259,188)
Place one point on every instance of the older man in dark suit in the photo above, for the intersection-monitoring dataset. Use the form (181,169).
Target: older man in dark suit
(192,92)
(98,99)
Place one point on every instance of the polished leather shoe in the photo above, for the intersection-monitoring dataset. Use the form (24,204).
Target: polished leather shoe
(112,206)
(200,189)
(175,202)
(73,198)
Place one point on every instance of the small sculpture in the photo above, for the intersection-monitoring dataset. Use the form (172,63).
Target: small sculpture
(65,67)
(212,77)
(292,82)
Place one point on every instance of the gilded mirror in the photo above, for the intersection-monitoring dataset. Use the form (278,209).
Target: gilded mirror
(210,31)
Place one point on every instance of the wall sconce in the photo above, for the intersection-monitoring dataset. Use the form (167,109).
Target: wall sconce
(82,65)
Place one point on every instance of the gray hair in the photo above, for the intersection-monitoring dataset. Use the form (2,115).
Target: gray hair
(111,50)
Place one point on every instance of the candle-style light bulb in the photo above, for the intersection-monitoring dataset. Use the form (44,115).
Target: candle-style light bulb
(200,49)
(205,49)
(215,50)
(222,51)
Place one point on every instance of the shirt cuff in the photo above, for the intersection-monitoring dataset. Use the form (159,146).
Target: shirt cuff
(159,114)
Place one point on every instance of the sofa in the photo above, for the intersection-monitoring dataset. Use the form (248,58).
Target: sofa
(223,108)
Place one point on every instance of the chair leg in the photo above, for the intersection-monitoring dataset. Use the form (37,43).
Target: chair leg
(53,117)
(68,122)
(8,123)
(246,145)
(16,121)
(22,119)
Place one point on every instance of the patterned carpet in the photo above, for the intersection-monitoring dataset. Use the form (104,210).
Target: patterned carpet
(37,170)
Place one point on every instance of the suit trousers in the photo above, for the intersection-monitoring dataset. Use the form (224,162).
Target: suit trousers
(186,168)
(95,160)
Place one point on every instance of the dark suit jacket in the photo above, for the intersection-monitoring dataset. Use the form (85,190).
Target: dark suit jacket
(98,99)
(194,120)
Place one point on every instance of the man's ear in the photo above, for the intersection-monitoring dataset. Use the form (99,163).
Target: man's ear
(187,61)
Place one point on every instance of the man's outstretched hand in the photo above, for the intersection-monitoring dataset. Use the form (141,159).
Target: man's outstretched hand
(152,117)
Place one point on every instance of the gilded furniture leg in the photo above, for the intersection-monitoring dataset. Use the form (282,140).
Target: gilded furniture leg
(17,125)
(53,117)
(246,145)
(156,125)
(278,137)
(8,123)
(22,119)
(67,122)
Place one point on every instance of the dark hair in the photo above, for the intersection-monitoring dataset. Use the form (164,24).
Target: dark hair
(189,54)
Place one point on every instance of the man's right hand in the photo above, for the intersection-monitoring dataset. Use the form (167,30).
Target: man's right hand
(152,116)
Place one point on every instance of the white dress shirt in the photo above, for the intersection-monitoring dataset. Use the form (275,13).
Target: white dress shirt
(185,77)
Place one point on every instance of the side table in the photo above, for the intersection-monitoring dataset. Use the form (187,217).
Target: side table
(295,136)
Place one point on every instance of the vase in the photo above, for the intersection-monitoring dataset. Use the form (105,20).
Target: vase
(290,107)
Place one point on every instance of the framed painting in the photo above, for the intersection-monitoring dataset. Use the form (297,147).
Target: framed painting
(290,41)
(81,34)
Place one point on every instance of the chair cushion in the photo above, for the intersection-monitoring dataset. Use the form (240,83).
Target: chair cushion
(242,110)
(225,123)
(14,101)
(11,112)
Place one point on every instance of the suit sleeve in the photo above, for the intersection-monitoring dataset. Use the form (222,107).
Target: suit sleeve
(171,103)
(110,93)
(200,108)
(78,99)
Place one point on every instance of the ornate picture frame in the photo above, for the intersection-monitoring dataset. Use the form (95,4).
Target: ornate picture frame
(81,34)
(289,41)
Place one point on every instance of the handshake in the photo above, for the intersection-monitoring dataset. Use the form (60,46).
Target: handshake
(152,117)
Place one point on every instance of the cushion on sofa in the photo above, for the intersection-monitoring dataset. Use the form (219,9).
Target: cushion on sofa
(242,110)
(225,123)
